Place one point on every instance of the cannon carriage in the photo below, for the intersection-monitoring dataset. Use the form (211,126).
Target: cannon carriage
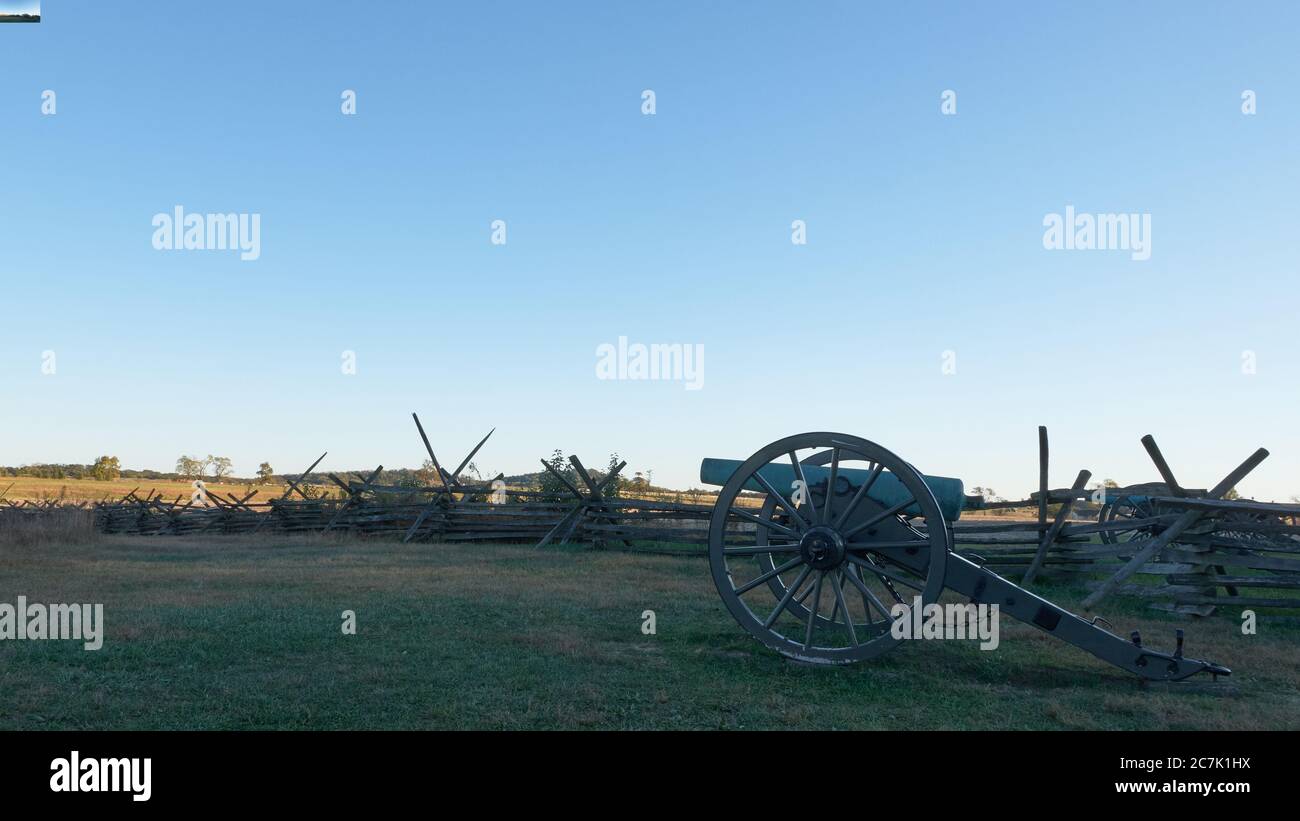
(819,542)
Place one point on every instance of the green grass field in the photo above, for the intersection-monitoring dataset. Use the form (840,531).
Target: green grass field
(234,634)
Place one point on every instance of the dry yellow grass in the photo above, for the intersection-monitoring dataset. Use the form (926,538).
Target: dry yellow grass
(26,488)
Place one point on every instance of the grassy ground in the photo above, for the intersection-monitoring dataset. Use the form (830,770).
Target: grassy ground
(228,633)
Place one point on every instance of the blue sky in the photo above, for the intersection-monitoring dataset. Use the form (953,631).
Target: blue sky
(924,233)
(20,6)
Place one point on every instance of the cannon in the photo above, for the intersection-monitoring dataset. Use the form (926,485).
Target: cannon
(830,516)
(1136,505)
(1141,512)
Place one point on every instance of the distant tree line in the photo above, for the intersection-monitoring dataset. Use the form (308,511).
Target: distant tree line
(108,468)
(50,471)
(218,468)
(189,467)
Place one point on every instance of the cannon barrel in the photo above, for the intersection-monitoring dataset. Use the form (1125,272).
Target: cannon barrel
(887,489)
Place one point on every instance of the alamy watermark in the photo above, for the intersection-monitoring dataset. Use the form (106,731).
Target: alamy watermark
(77,774)
(66,622)
(1098,232)
(179,231)
(674,362)
(951,621)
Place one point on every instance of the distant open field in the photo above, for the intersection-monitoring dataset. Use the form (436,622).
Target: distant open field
(89,490)
(236,633)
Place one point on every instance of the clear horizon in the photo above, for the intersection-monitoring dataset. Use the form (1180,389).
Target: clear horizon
(925,235)
(20,6)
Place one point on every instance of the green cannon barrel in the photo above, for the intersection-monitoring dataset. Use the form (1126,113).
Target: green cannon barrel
(887,489)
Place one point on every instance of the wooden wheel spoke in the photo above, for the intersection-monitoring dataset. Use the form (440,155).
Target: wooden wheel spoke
(781,500)
(870,596)
(802,597)
(760,549)
(885,580)
(857,497)
(812,619)
(789,594)
(843,607)
(803,482)
(902,544)
(767,523)
(830,487)
(774,572)
(855,571)
(881,570)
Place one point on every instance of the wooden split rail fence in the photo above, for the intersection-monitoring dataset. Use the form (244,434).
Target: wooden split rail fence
(1185,550)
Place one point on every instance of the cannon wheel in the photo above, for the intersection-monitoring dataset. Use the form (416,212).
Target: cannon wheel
(798,606)
(1126,507)
(1252,520)
(825,556)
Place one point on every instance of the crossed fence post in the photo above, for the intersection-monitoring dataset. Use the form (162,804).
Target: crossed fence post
(450,481)
(354,496)
(1048,535)
(1057,524)
(1175,528)
(593,499)
(293,486)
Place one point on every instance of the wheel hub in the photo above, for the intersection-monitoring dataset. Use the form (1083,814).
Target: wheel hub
(822,548)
